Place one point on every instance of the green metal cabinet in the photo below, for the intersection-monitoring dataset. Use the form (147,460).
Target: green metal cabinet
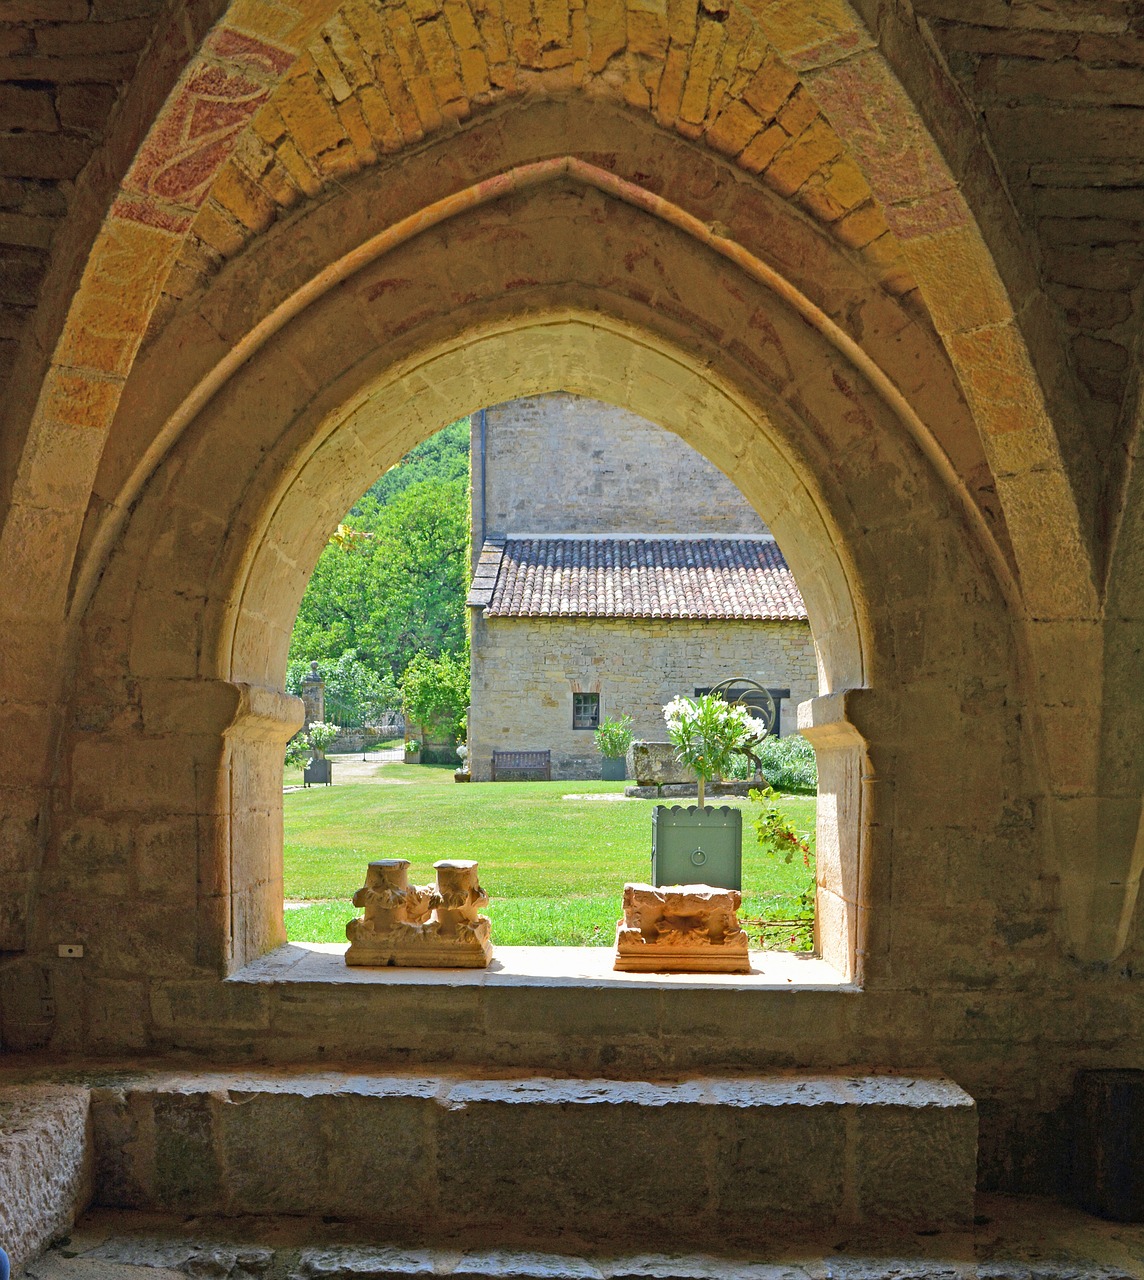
(697,846)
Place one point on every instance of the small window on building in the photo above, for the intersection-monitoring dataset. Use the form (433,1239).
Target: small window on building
(585,711)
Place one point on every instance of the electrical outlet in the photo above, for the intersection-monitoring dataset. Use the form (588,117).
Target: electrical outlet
(70,950)
(47,1008)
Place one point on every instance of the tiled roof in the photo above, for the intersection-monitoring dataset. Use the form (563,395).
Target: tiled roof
(718,578)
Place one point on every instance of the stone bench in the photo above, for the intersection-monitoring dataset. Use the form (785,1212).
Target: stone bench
(518,764)
(706,1159)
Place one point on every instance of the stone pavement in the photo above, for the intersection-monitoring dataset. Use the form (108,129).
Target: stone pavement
(1014,1239)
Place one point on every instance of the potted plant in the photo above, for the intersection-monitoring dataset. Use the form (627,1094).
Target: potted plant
(461,774)
(613,738)
(412,751)
(319,769)
(701,844)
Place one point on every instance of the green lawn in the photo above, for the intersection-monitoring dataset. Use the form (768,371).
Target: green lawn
(554,868)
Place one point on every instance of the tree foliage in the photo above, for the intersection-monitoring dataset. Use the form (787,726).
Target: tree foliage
(436,690)
(391,582)
(355,693)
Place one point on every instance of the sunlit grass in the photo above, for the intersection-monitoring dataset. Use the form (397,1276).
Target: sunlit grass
(554,867)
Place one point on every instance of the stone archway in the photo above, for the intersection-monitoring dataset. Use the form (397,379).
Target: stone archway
(93,391)
(188,623)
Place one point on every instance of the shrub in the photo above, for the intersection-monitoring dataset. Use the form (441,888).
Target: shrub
(789,764)
(779,836)
(614,737)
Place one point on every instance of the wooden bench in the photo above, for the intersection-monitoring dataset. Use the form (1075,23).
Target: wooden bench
(514,765)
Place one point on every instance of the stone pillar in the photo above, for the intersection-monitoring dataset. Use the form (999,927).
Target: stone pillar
(314,696)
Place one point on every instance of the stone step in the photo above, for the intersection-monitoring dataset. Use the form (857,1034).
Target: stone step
(704,1161)
(1013,1238)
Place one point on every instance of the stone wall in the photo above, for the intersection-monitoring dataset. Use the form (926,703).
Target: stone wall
(570,202)
(561,464)
(525,671)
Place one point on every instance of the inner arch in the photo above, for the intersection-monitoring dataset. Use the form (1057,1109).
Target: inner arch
(591,356)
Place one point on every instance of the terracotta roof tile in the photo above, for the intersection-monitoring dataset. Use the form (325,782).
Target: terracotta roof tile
(717,578)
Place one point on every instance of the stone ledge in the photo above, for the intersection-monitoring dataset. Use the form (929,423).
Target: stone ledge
(588,967)
(1014,1238)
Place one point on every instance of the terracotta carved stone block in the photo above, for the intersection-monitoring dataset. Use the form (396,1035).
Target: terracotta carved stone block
(428,927)
(683,928)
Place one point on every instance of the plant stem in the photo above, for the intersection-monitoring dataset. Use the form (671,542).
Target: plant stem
(701,792)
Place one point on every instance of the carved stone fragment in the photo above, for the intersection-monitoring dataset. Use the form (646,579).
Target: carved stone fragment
(430,927)
(683,928)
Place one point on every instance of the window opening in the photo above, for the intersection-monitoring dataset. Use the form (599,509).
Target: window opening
(447,618)
(585,711)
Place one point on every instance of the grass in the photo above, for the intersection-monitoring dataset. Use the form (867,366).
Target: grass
(553,867)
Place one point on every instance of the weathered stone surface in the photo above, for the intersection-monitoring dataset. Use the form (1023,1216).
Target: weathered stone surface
(656,764)
(737,1156)
(690,928)
(437,926)
(45,1165)
(1015,1238)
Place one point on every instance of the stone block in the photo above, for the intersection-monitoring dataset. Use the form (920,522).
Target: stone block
(187,1175)
(380,1138)
(709,1157)
(655,764)
(45,1164)
(783,1152)
(576,1152)
(613,1013)
(914,1147)
(275,1151)
(123,1139)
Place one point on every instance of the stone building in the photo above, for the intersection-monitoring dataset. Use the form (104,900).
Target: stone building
(615,567)
(879,263)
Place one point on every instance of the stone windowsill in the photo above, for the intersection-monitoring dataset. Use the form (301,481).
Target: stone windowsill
(324,963)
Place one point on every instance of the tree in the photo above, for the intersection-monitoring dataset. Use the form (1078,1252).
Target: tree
(395,591)
(436,691)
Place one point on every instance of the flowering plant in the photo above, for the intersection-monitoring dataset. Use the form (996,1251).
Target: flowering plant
(708,733)
(412,745)
(321,735)
(462,753)
(614,737)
